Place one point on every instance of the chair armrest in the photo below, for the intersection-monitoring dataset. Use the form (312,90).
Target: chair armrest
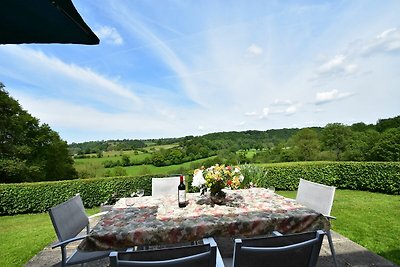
(97,214)
(329,217)
(65,242)
(218,261)
(276,233)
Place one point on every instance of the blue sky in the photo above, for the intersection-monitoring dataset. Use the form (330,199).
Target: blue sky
(176,68)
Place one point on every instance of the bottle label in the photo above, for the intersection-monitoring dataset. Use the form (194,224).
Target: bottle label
(182,196)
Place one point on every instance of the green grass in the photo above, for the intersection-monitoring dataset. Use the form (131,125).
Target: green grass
(151,169)
(23,236)
(369,219)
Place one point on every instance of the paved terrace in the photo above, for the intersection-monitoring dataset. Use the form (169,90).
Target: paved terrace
(348,254)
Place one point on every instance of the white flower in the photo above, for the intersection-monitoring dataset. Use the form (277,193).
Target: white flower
(241,178)
(198,179)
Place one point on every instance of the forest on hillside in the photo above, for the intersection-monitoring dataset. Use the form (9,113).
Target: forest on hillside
(335,141)
(30,151)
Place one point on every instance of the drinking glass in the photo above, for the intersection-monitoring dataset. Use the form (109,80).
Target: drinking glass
(271,189)
(140,192)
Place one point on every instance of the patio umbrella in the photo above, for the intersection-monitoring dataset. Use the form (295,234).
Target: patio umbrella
(43,21)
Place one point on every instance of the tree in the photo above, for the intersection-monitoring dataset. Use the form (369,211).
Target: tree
(336,136)
(29,151)
(306,144)
(388,146)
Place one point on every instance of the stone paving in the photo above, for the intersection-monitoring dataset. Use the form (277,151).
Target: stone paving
(348,254)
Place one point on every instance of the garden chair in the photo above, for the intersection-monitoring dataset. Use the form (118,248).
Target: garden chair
(318,197)
(164,186)
(206,254)
(69,219)
(283,250)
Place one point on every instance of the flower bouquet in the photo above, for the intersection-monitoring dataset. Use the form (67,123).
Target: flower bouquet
(216,178)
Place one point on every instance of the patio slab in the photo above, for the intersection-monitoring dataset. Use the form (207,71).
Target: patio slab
(349,254)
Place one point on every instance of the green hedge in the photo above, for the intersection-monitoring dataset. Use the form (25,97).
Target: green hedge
(381,177)
(39,197)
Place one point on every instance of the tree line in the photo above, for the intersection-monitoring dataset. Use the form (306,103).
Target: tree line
(334,142)
(30,151)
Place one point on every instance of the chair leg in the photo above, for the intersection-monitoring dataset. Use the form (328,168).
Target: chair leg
(63,256)
(328,234)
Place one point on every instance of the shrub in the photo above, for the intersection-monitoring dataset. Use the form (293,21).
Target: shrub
(39,197)
(383,177)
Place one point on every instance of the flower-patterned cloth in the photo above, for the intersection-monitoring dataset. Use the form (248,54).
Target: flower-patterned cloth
(157,221)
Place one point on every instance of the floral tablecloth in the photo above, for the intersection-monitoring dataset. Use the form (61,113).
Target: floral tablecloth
(156,221)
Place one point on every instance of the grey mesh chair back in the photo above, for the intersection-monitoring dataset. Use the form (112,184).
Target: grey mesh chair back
(69,219)
(287,250)
(203,255)
(316,196)
(165,186)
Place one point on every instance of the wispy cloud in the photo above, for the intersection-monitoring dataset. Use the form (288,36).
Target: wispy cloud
(338,65)
(387,41)
(254,50)
(109,35)
(56,75)
(330,96)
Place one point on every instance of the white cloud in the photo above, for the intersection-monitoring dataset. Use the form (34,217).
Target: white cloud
(69,79)
(279,102)
(62,114)
(254,50)
(251,114)
(265,113)
(338,65)
(330,96)
(291,110)
(109,35)
(387,41)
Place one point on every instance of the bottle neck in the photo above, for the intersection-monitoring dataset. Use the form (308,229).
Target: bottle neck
(181,179)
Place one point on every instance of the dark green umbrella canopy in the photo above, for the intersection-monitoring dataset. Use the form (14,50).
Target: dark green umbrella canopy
(43,21)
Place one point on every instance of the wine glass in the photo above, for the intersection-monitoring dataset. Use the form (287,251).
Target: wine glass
(140,192)
(271,189)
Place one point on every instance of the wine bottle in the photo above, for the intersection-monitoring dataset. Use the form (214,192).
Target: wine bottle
(181,193)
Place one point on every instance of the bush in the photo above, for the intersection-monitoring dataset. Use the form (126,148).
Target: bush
(383,177)
(39,197)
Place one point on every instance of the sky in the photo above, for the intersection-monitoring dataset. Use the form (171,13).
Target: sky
(172,68)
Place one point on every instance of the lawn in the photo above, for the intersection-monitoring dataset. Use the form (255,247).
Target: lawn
(23,236)
(370,219)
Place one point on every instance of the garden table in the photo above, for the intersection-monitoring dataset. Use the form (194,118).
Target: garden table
(158,220)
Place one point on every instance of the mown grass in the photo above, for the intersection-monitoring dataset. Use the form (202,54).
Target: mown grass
(369,219)
(23,236)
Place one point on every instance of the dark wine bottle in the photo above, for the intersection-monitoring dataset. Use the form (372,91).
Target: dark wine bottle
(181,193)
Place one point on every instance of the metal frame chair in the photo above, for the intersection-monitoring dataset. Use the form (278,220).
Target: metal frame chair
(69,219)
(283,250)
(206,255)
(164,186)
(320,198)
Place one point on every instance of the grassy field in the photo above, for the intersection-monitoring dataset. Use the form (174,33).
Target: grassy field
(370,219)
(94,166)
(23,236)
